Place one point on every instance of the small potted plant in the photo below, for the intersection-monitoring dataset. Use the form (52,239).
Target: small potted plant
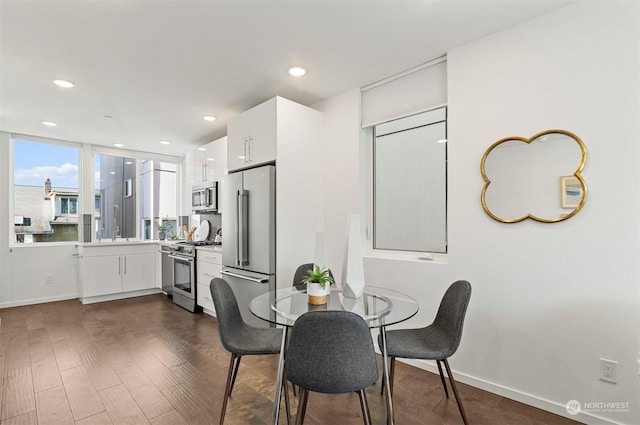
(162,230)
(318,281)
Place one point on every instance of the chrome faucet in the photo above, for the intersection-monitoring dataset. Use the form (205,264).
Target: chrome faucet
(116,218)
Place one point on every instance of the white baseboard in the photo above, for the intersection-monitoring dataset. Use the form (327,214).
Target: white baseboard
(120,296)
(32,301)
(529,399)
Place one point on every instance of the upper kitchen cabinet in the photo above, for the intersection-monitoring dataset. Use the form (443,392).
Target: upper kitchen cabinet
(252,135)
(207,163)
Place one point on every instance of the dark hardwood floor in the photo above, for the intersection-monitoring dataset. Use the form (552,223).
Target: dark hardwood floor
(147,361)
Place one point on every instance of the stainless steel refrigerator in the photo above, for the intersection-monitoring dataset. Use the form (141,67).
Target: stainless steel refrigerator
(249,223)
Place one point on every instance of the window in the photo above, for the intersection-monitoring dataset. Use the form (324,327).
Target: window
(410,183)
(45,189)
(133,193)
(68,206)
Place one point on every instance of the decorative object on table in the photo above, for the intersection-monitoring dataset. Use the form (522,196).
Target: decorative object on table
(163,229)
(353,273)
(318,281)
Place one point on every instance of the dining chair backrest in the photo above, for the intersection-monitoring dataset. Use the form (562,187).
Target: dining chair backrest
(450,317)
(331,352)
(230,321)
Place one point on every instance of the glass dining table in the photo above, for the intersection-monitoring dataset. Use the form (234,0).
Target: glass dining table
(379,307)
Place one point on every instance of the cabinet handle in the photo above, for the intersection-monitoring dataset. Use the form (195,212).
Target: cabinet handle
(125,265)
(249,149)
(245,150)
(119,265)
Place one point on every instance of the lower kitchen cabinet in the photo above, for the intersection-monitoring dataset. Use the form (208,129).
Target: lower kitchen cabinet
(116,269)
(208,266)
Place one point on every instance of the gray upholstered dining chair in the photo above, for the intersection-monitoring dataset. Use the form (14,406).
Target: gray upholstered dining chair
(239,338)
(438,341)
(301,273)
(331,352)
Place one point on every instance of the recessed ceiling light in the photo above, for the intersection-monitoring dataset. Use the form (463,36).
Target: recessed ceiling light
(202,149)
(118,145)
(211,159)
(128,162)
(241,156)
(208,118)
(442,141)
(164,142)
(296,71)
(49,123)
(64,84)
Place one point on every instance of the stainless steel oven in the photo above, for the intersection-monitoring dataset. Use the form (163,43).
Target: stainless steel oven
(184,276)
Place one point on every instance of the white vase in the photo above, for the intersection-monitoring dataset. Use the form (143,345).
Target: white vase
(317,294)
(353,273)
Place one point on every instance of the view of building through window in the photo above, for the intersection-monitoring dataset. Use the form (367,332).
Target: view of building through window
(128,188)
(132,197)
(45,192)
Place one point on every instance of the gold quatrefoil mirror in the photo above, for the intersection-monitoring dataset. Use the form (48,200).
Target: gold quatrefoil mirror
(537,178)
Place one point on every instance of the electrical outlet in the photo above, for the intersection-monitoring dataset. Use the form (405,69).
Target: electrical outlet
(608,370)
(48,279)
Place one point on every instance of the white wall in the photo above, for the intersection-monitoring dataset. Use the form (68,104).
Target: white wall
(548,299)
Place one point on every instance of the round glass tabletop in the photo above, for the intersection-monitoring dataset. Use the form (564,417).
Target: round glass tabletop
(377,306)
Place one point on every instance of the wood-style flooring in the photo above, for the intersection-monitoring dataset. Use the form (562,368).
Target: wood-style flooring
(147,361)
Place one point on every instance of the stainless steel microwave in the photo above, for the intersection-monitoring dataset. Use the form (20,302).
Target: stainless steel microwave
(204,197)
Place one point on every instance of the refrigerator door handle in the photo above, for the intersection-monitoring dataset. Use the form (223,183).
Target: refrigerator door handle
(243,231)
(238,228)
(243,277)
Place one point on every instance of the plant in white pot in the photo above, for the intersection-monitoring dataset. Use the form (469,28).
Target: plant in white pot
(163,229)
(318,281)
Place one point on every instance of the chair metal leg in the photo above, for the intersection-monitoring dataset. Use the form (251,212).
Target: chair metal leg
(365,407)
(227,387)
(302,405)
(455,392)
(392,370)
(444,384)
(235,373)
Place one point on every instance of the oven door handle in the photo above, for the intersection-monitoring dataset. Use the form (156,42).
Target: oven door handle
(175,257)
(240,276)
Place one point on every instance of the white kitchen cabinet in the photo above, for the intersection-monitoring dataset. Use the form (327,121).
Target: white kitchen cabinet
(252,136)
(138,271)
(208,266)
(102,275)
(116,269)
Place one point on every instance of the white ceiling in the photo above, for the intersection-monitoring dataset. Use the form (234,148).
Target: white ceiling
(157,66)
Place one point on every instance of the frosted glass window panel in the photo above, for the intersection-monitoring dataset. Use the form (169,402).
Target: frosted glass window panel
(410,188)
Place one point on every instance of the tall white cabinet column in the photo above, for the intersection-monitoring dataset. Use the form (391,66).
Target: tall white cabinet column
(290,135)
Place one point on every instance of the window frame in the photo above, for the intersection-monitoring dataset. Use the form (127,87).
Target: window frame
(368,138)
(138,156)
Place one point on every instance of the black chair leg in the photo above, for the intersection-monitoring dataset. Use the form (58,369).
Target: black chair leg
(444,384)
(302,406)
(285,388)
(365,407)
(235,373)
(227,387)
(455,392)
